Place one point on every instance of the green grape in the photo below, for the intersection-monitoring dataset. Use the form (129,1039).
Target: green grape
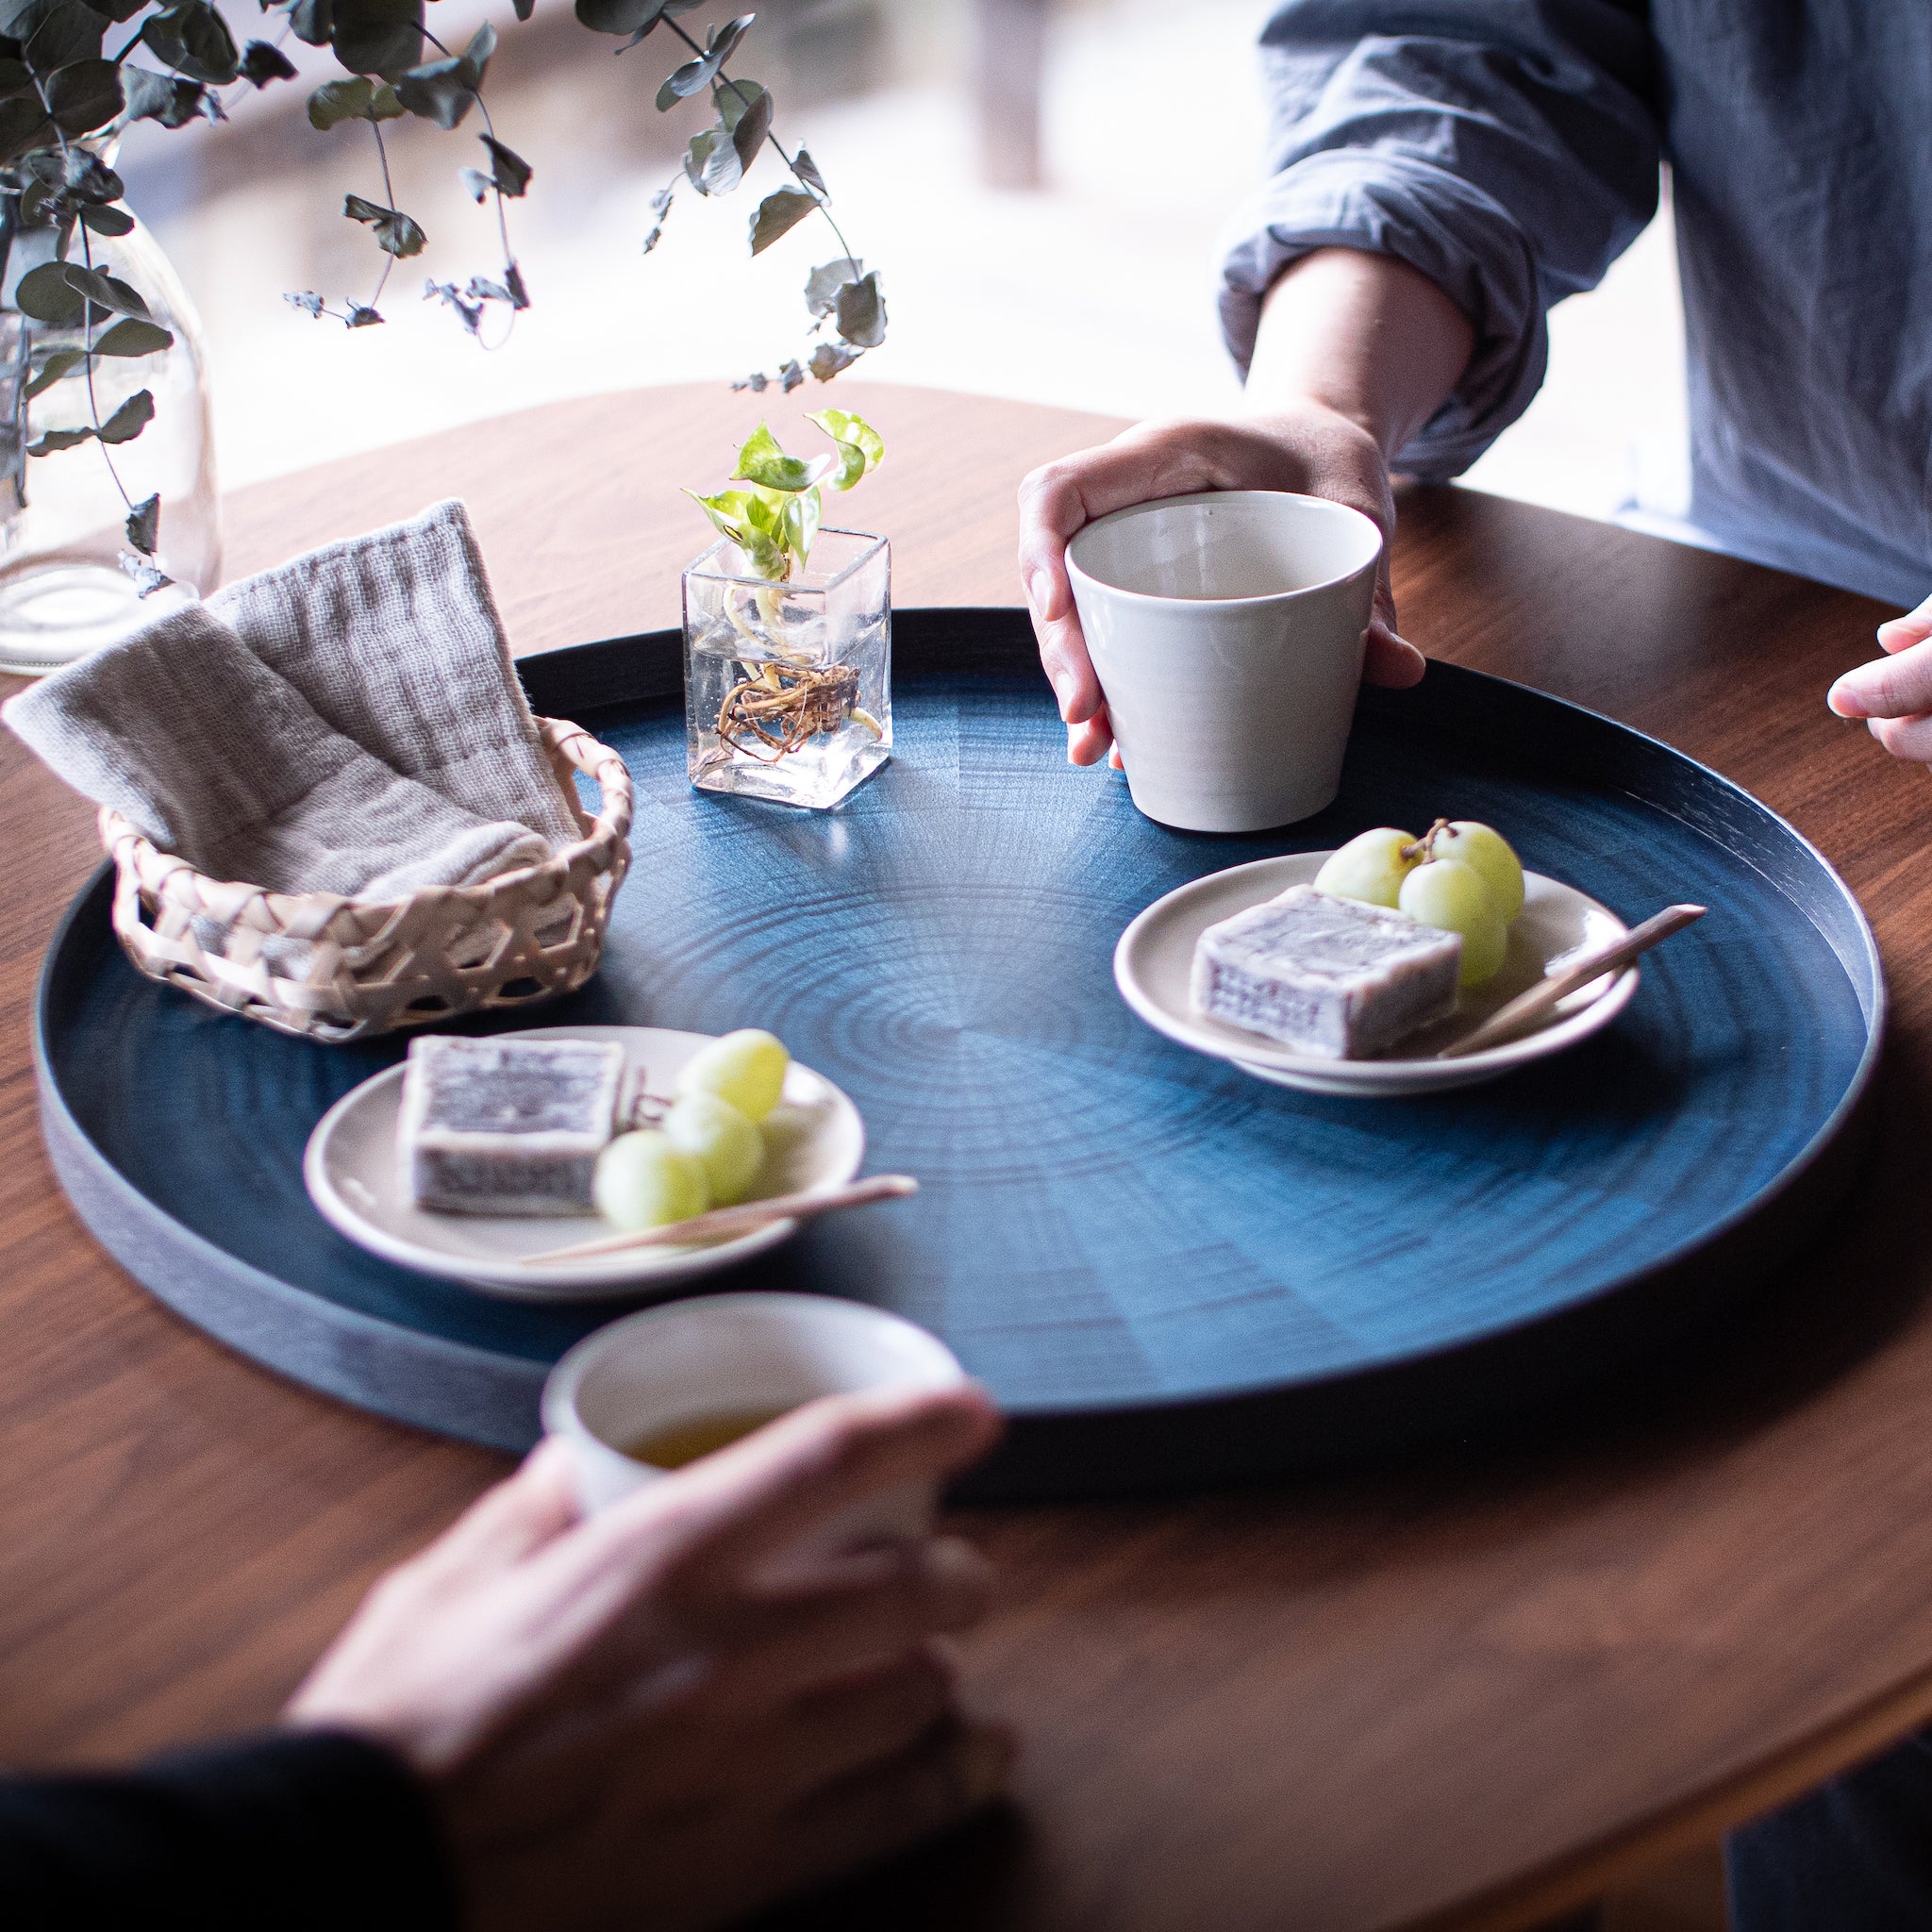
(1489,852)
(1451,895)
(1371,867)
(719,1138)
(747,1068)
(646,1179)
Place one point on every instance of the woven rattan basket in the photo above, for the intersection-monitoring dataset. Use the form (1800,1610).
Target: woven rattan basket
(336,969)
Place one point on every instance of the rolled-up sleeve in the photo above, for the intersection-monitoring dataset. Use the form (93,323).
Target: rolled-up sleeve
(1508,149)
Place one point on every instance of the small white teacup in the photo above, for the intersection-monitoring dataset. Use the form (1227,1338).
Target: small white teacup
(681,1374)
(1227,630)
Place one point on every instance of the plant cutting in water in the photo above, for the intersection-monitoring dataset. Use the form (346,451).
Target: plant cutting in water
(783,698)
(64,93)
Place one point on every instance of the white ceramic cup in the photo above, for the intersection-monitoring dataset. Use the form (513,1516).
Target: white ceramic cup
(1227,632)
(733,1355)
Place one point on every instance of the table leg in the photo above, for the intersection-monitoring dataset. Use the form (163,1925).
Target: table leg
(1012,57)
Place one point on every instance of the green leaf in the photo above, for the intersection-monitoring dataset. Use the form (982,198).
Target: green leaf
(382,37)
(861,448)
(131,419)
(335,101)
(45,294)
(760,462)
(633,17)
(262,63)
(61,362)
(395,232)
(161,97)
(861,311)
(56,439)
(22,125)
(67,32)
(749,522)
(134,337)
(193,39)
(509,171)
(778,214)
(822,285)
(803,513)
(144,526)
(85,95)
(109,221)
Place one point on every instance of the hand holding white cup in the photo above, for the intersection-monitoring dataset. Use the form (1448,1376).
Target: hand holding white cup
(1227,631)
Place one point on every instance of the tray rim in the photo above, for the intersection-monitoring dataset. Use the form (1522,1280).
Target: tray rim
(1620,1315)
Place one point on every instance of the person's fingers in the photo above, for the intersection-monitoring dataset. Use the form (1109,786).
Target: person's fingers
(1905,738)
(953,1771)
(759,1497)
(1087,744)
(1390,659)
(1901,633)
(832,1735)
(881,1604)
(1894,687)
(506,1524)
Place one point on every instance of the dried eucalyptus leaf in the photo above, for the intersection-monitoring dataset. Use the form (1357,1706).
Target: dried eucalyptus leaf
(148,577)
(104,292)
(712,162)
(131,419)
(193,39)
(383,105)
(67,33)
(308,301)
(46,295)
(778,214)
(312,22)
(792,376)
(24,124)
(134,337)
(822,286)
(14,75)
(509,169)
(523,8)
(144,526)
(663,198)
(682,84)
(721,42)
(61,362)
(828,359)
(381,37)
(754,124)
(87,178)
(438,93)
(335,101)
(652,240)
(471,313)
(513,280)
(161,97)
(395,232)
(57,440)
(262,63)
(476,183)
(108,221)
(861,311)
(757,382)
(808,171)
(361,316)
(733,97)
(633,17)
(85,95)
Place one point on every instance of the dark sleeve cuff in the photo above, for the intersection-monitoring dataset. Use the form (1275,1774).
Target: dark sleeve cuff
(299,1830)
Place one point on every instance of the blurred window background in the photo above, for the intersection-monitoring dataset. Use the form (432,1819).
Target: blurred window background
(1040,181)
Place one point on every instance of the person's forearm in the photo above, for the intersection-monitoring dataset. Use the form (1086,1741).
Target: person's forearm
(1365,335)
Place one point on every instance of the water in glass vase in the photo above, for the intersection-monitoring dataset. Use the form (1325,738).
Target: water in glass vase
(788,686)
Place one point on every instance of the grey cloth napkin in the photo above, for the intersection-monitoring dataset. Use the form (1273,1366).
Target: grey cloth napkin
(394,639)
(186,732)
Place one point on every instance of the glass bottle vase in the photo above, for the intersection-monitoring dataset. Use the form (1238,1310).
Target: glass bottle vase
(788,687)
(64,591)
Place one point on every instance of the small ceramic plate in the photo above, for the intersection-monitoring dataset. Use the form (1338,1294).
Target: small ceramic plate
(1155,954)
(814,1138)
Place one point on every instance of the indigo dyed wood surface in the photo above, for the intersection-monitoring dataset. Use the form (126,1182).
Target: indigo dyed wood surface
(1168,1272)
(1470,1690)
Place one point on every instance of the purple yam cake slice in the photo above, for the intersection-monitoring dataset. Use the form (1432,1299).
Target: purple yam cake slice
(1325,975)
(506,1126)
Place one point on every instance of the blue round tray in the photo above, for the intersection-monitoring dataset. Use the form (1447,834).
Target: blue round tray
(1170,1275)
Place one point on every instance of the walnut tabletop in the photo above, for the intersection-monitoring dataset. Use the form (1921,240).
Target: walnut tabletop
(1471,1690)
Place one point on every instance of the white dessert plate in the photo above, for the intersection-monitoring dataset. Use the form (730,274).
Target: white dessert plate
(814,1136)
(1155,954)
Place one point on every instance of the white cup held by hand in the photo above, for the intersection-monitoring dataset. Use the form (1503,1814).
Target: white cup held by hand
(737,1355)
(1226,630)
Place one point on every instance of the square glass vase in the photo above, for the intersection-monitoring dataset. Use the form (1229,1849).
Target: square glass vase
(788,687)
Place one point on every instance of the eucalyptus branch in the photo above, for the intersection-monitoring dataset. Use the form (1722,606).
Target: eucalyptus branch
(388,200)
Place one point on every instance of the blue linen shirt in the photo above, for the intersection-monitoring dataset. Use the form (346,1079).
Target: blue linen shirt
(1509,150)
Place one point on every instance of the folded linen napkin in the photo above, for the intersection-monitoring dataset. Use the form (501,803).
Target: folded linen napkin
(190,737)
(394,639)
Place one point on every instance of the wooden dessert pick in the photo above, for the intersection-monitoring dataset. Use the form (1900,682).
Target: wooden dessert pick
(1508,1021)
(727,1224)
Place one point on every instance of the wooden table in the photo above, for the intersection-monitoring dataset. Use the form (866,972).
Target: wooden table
(1467,1692)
